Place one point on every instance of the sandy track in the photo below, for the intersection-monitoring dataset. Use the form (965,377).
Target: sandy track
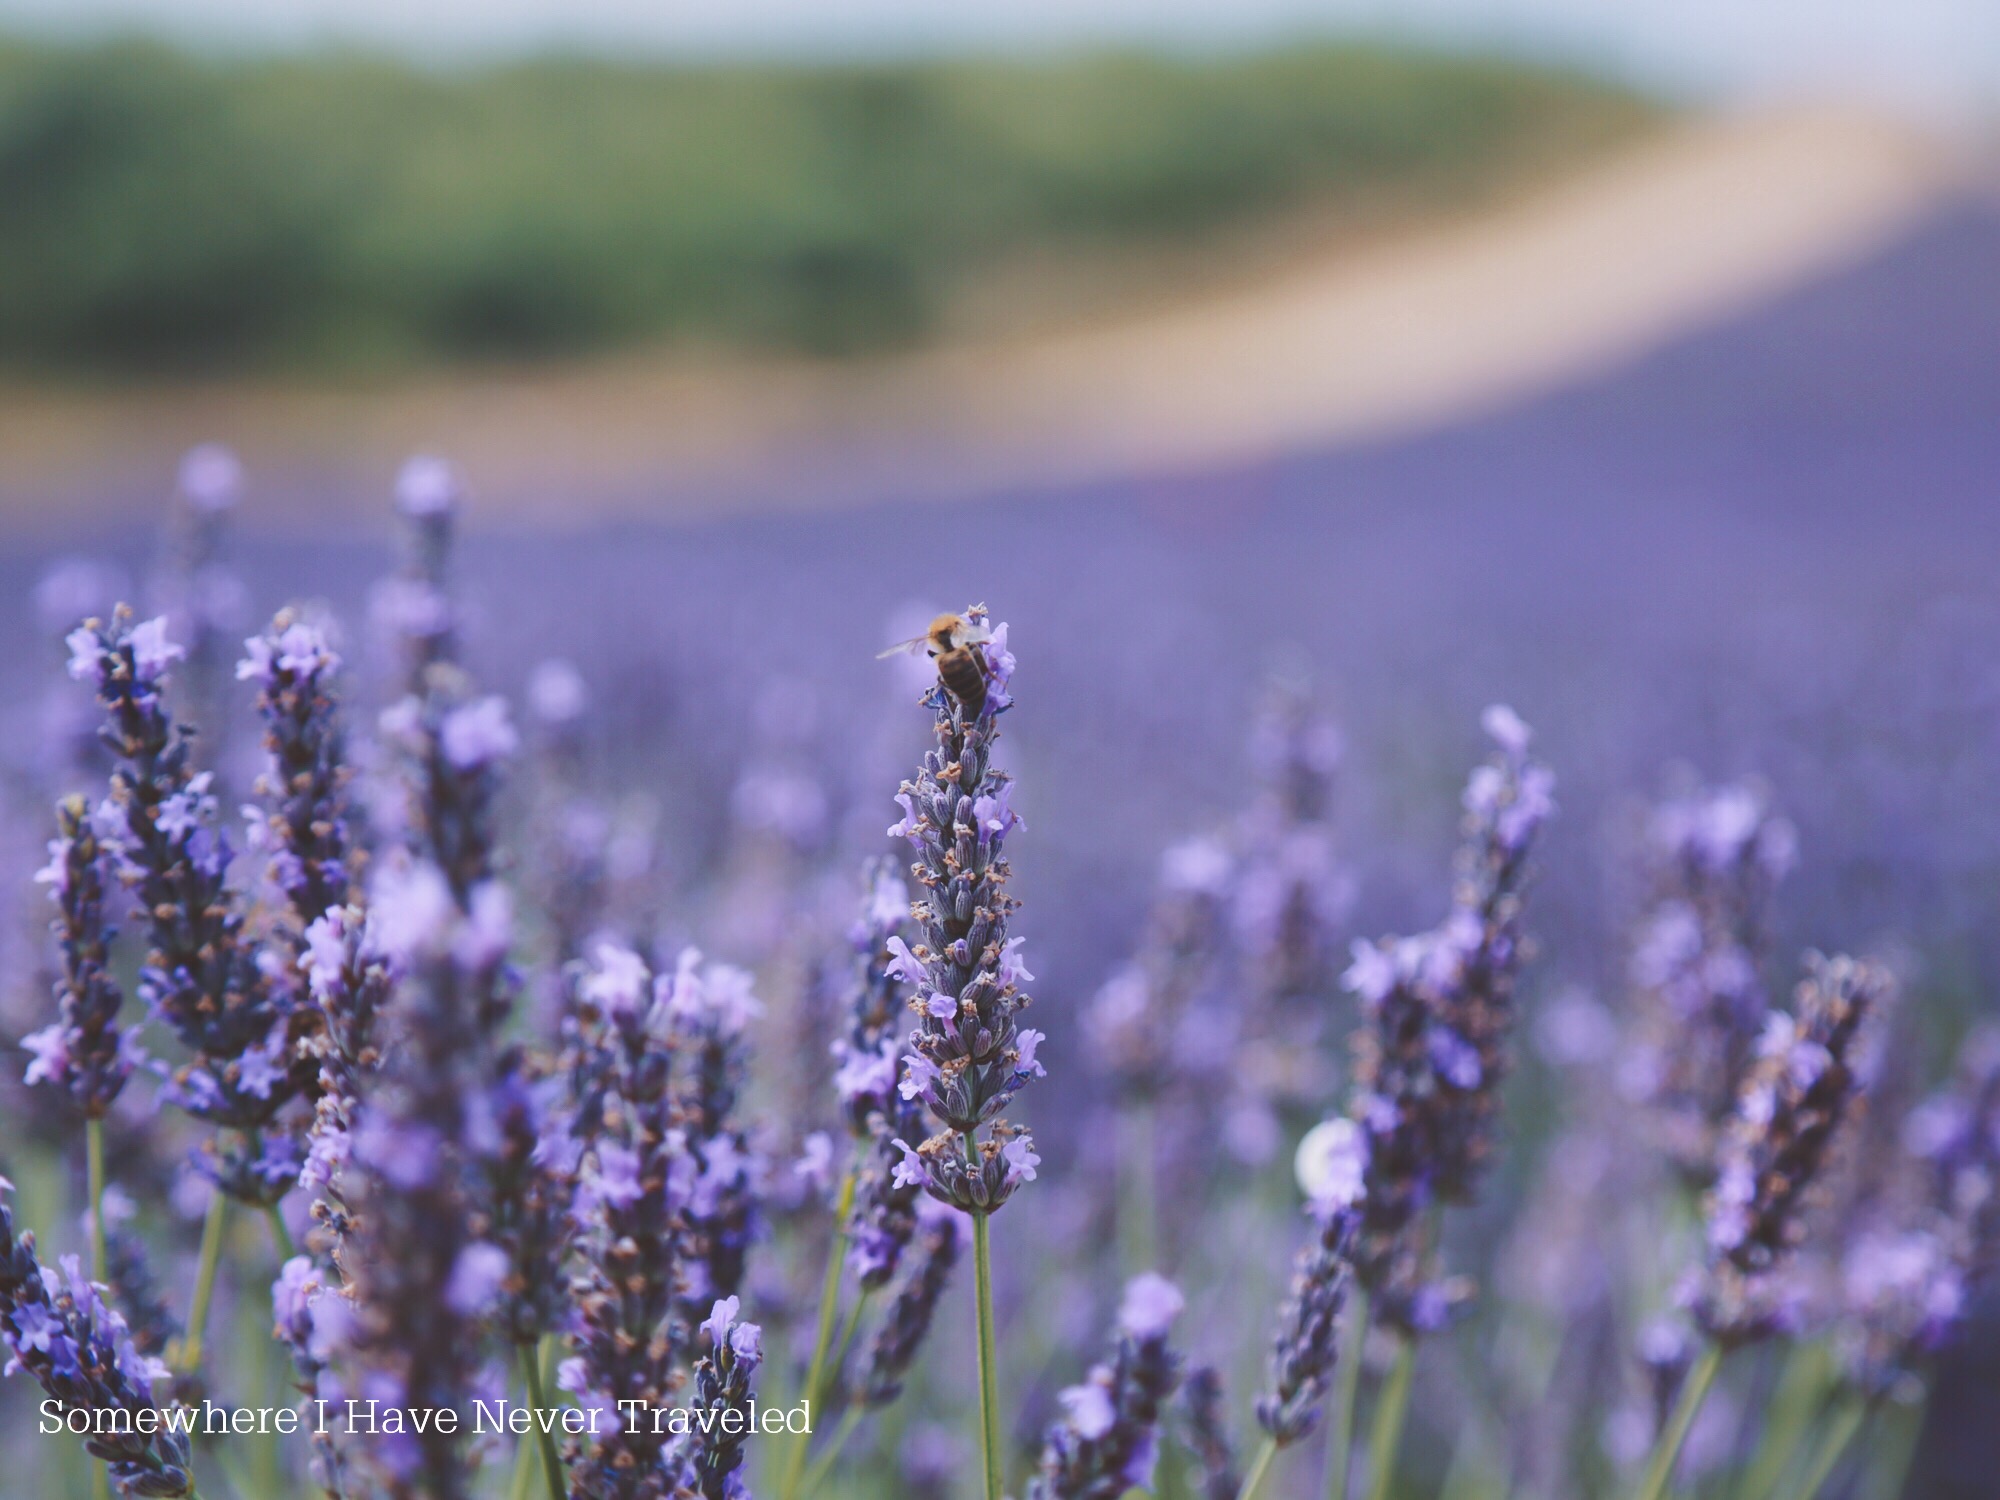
(1674,233)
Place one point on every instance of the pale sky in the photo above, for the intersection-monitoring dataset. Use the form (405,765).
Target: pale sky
(1938,55)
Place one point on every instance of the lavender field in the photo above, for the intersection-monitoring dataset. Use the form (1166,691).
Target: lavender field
(1596,1187)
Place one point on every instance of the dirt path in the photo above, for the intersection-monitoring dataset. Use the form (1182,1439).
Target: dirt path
(1680,231)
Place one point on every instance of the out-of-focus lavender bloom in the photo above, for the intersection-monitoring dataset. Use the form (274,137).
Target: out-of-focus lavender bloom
(1307,1345)
(1136,1024)
(413,609)
(58,1329)
(1908,1281)
(710,1458)
(1799,1088)
(1290,890)
(446,1141)
(1108,1441)
(636,1180)
(423,1143)
(906,1321)
(885,1123)
(533,1174)
(134,1289)
(966,1057)
(1204,1430)
(85,1053)
(1477,952)
(211,477)
(1715,857)
(203,600)
(292,666)
(314,1319)
(708,1005)
(202,978)
(1433,1050)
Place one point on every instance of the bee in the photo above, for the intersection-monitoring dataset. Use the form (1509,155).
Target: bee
(952,641)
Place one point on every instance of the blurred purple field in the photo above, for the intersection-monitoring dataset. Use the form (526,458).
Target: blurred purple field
(1770,550)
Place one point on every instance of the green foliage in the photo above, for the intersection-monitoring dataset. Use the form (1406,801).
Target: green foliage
(346,212)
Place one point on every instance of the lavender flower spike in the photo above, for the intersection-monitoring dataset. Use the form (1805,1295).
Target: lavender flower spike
(636,1179)
(57,1328)
(1909,1287)
(85,1053)
(293,667)
(711,1458)
(967,1058)
(201,978)
(1307,1346)
(1478,951)
(1108,1440)
(1798,1091)
(1205,1432)
(906,1322)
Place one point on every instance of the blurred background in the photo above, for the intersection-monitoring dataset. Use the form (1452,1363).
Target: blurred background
(1636,364)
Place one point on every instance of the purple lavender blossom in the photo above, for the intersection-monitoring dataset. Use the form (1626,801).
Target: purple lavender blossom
(1290,890)
(1108,1440)
(1438,1018)
(202,978)
(708,1006)
(928,1261)
(1477,951)
(1204,1431)
(1714,860)
(1908,1281)
(413,608)
(965,1060)
(85,1053)
(1801,1086)
(58,1329)
(710,1458)
(1306,1347)
(293,667)
(636,1181)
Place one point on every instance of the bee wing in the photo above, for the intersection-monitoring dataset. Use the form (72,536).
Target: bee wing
(910,647)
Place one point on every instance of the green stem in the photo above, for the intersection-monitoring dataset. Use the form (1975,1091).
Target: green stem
(1787,1425)
(989,1379)
(823,1465)
(1138,1216)
(1667,1451)
(1347,1388)
(100,1256)
(1891,1469)
(1253,1478)
(829,1310)
(204,1282)
(281,1237)
(1833,1444)
(849,1329)
(1391,1408)
(552,1468)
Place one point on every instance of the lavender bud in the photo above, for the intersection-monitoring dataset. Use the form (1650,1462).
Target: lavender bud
(1798,1090)
(906,1322)
(1108,1440)
(201,978)
(710,1457)
(635,1181)
(1307,1346)
(966,1058)
(85,1053)
(1205,1432)
(58,1329)
(1715,858)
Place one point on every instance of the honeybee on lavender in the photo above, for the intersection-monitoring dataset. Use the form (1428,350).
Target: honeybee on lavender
(953,642)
